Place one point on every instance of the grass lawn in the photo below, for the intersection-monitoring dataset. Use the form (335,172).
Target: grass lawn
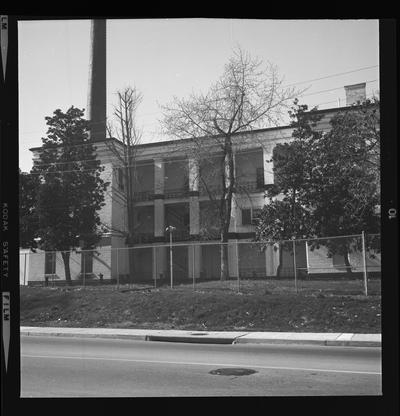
(257,305)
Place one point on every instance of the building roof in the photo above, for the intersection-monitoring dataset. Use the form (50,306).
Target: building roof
(167,142)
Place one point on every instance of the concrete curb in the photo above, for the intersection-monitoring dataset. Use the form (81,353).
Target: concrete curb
(310,338)
(212,337)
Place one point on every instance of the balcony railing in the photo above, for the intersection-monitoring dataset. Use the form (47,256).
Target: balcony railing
(168,194)
(241,188)
(249,187)
(146,238)
(143,196)
(178,235)
(213,189)
(176,193)
(143,238)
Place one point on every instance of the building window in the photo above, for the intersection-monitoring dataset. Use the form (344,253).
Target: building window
(50,263)
(120,179)
(250,216)
(255,215)
(260,178)
(87,263)
(186,219)
(246,216)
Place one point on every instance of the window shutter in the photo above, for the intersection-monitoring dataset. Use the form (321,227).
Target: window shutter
(260,178)
(246,216)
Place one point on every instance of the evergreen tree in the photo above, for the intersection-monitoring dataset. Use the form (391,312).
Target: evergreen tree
(328,183)
(71,191)
(28,220)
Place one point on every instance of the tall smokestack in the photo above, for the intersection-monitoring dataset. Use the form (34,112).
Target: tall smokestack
(96,104)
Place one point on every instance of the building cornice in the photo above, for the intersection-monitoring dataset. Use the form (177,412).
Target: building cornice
(237,134)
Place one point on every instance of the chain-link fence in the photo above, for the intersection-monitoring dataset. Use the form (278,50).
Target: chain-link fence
(334,265)
(81,267)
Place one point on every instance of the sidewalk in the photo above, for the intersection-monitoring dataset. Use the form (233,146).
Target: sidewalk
(212,337)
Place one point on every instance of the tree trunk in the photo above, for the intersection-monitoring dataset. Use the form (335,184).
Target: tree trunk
(225,211)
(130,241)
(228,183)
(224,256)
(65,256)
(280,265)
(347,262)
(130,207)
(294,213)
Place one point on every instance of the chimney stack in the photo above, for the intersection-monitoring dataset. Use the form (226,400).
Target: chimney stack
(96,105)
(355,93)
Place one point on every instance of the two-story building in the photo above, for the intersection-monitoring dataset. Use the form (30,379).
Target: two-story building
(173,187)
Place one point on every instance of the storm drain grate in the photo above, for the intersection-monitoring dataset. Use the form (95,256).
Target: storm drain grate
(233,372)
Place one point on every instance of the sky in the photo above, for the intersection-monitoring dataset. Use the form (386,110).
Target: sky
(164,58)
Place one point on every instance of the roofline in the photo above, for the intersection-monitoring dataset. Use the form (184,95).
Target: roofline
(189,139)
(91,142)
(287,126)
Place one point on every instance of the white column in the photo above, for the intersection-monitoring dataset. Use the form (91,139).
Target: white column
(194,206)
(194,260)
(159,222)
(111,201)
(268,166)
(159,176)
(272,260)
(159,262)
(233,258)
(194,173)
(194,215)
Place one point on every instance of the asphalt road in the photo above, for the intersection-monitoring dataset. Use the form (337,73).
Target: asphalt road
(76,367)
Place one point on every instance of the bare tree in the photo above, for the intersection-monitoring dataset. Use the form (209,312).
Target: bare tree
(125,129)
(248,95)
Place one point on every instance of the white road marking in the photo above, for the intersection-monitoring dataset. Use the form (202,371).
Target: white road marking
(204,364)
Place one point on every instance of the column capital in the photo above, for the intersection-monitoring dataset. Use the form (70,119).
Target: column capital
(268,166)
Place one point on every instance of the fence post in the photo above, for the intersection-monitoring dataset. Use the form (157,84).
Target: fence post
(193,261)
(364,264)
(117,268)
(25,268)
(133,264)
(155,251)
(84,274)
(238,263)
(171,267)
(294,264)
(307,260)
